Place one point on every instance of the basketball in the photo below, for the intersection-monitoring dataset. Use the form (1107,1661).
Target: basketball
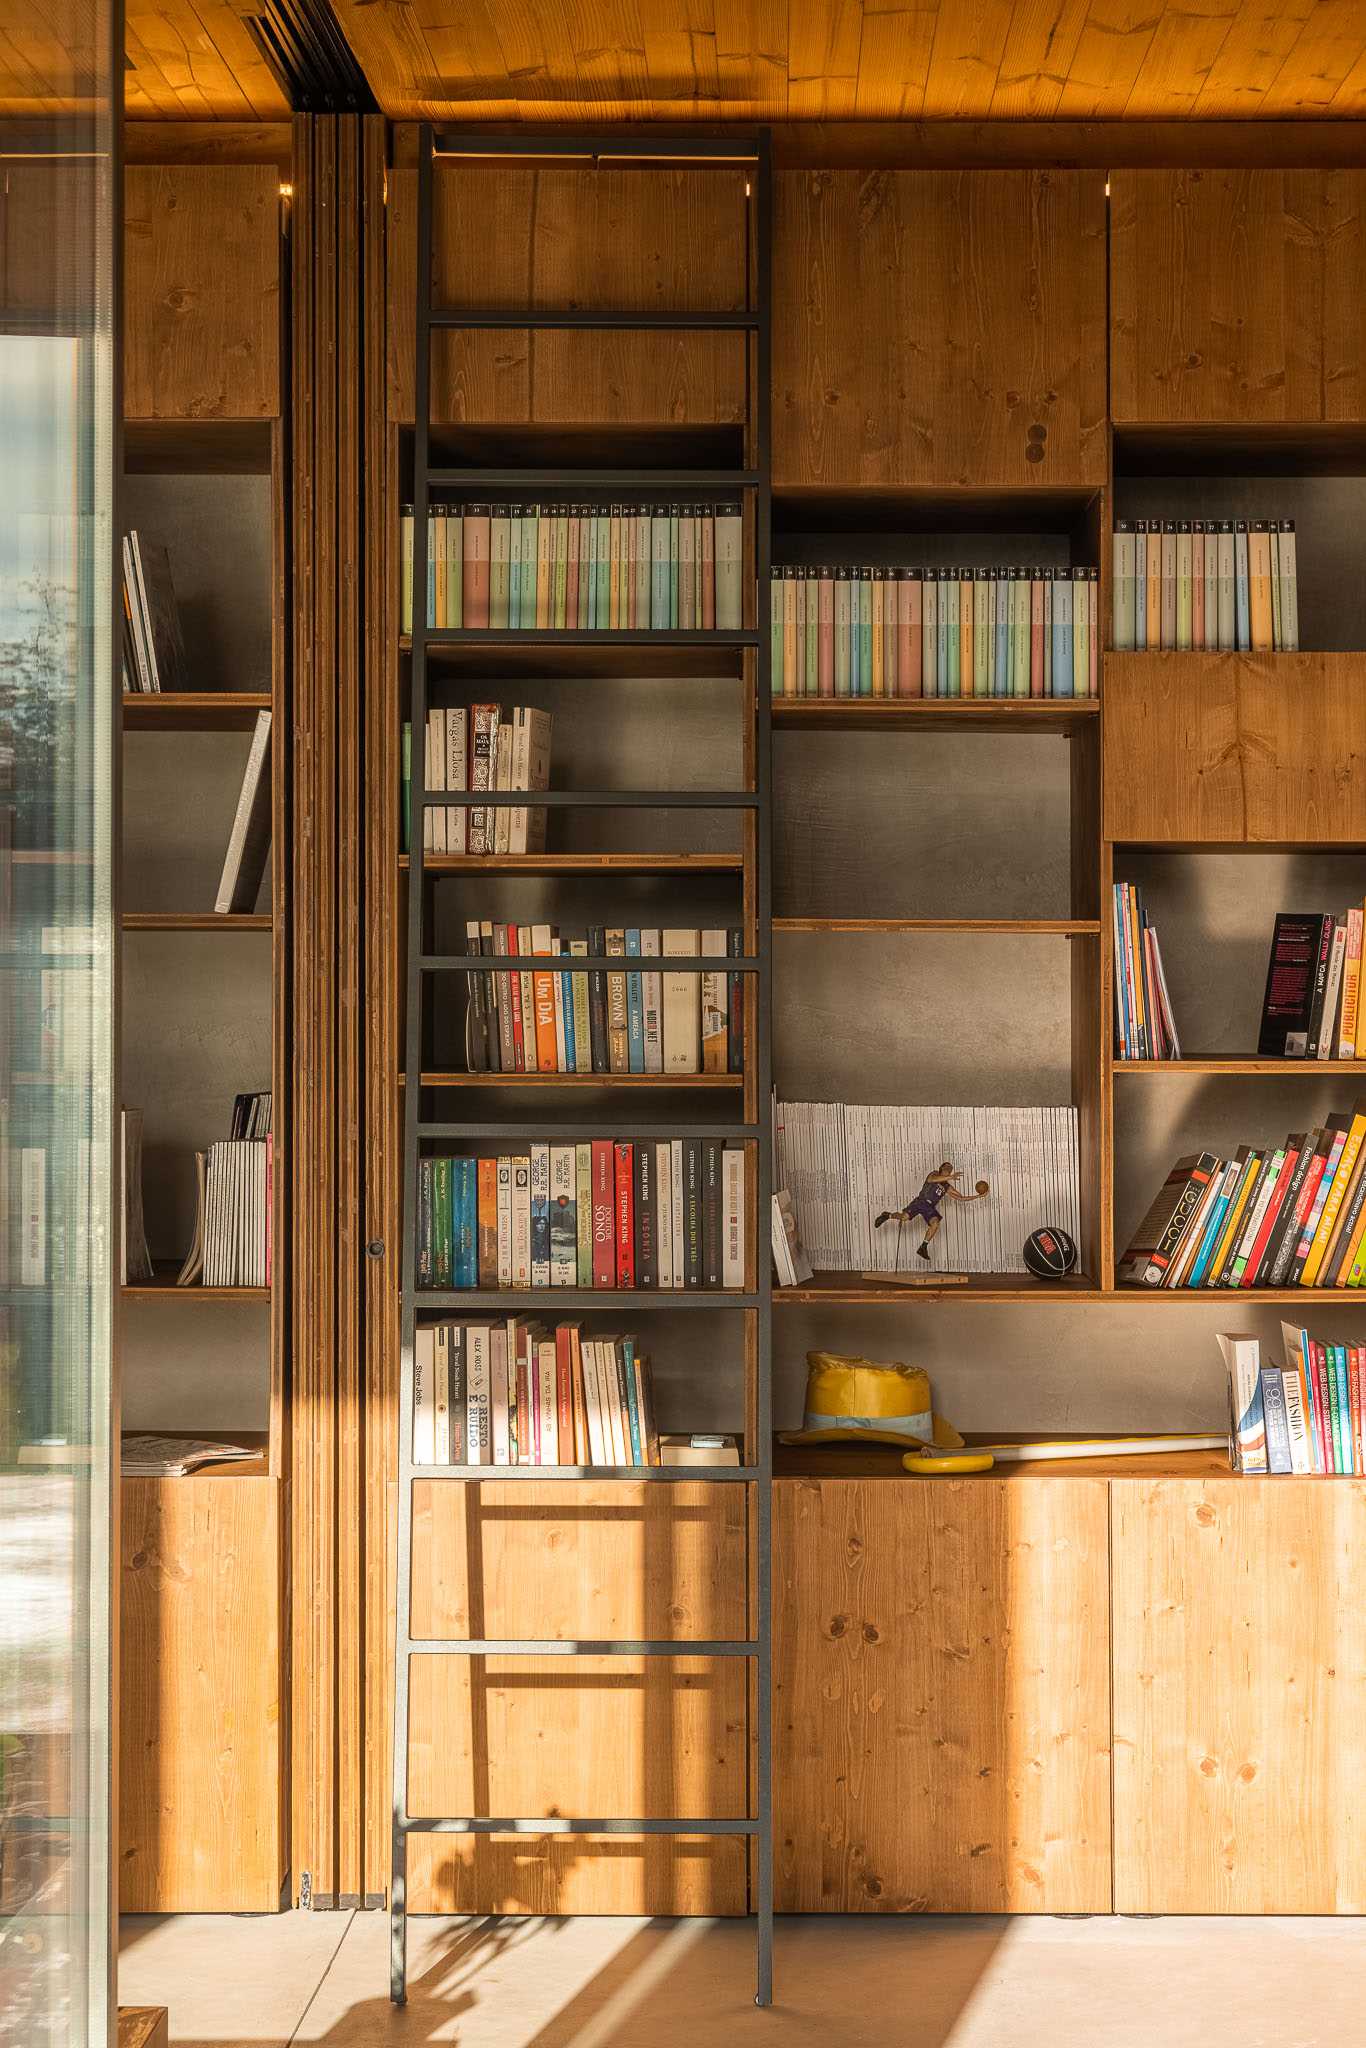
(1049,1253)
(984,1187)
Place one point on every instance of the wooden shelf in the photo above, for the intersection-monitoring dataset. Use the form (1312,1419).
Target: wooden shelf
(197,921)
(852,1290)
(645,657)
(579,863)
(193,710)
(667,1081)
(1234,1063)
(1343,1297)
(1036,927)
(162,1287)
(201,446)
(934,714)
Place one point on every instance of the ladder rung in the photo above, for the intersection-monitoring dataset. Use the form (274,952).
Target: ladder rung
(590,963)
(507,1301)
(659,1475)
(621,321)
(492,637)
(558,1646)
(555,1825)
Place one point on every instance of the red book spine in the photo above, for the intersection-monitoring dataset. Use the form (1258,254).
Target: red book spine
(626,1216)
(604,1232)
(1355,1392)
(564,1394)
(1268,1223)
(515,994)
(1324,1412)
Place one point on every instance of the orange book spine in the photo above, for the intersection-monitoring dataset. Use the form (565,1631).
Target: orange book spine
(488,1222)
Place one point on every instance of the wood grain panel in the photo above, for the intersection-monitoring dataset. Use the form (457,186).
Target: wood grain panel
(1236,295)
(832,60)
(649,241)
(199,1725)
(559,1560)
(1239,1690)
(1235,747)
(941,1692)
(1172,762)
(202,292)
(621,1736)
(196,59)
(143,2026)
(980,316)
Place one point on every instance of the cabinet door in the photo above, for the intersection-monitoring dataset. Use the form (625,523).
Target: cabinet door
(653,1736)
(939,328)
(199,1698)
(1236,296)
(202,292)
(1239,1621)
(941,1696)
(1235,748)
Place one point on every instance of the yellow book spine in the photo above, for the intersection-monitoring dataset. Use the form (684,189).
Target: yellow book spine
(1351,988)
(1334,1202)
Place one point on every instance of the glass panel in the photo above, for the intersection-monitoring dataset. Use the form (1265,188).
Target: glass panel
(59,1242)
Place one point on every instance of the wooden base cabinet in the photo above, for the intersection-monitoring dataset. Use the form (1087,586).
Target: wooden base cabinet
(941,1696)
(1239,1652)
(200,1827)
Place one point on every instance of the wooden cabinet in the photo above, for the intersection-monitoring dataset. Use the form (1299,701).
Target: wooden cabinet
(1239,1620)
(1242,748)
(939,328)
(202,292)
(200,1828)
(656,1736)
(654,241)
(1235,296)
(942,1703)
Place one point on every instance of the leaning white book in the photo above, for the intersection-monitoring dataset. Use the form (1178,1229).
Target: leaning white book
(1297,1424)
(424,1397)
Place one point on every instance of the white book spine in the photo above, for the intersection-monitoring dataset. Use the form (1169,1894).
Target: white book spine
(442,1392)
(1301,1457)
(521,1221)
(652,999)
(424,1397)
(478,1391)
(733,1218)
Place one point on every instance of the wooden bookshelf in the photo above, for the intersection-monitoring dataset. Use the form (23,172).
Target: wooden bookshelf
(193,710)
(1008,927)
(197,921)
(933,714)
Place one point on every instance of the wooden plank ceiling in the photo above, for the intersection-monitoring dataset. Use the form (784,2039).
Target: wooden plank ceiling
(800,60)
(934,60)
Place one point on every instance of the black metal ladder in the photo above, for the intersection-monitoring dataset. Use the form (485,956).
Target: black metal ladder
(752,650)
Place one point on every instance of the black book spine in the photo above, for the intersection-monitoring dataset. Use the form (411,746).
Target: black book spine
(692,1212)
(597,1002)
(1288,1235)
(735,1007)
(476,1010)
(647,1263)
(1304,1147)
(713,1225)
(1316,1019)
(492,1022)
(1289,986)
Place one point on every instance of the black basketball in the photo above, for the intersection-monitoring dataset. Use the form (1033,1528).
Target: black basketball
(1049,1253)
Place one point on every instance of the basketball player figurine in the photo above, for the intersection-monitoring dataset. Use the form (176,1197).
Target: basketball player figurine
(926,1206)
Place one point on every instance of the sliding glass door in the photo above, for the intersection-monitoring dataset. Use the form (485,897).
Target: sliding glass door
(59,1235)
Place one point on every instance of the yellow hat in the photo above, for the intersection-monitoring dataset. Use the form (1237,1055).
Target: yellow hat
(856,1400)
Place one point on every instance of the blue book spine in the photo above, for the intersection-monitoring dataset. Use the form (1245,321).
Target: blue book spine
(567,1006)
(953,672)
(628,1353)
(1241,590)
(1214,1229)
(1277,1422)
(635,1010)
(465,1223)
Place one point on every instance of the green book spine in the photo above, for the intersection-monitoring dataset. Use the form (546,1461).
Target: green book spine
(865,633)
(673,568)
(441,1223)
(561,567)
(777,585)
(583,1179)
(602,617)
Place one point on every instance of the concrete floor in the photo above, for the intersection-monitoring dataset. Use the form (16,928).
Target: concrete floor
(866,1983)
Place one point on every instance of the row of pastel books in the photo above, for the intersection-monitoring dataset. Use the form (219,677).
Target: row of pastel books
(605,1214)
(845,1164)
(1287,1215)
(872,632)
(153,646)
(1145,1028)
(1206,583)
(606,568)
(1312,1006)
(1303,1417)
(596,1021)
(481,746)
(515,1393)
